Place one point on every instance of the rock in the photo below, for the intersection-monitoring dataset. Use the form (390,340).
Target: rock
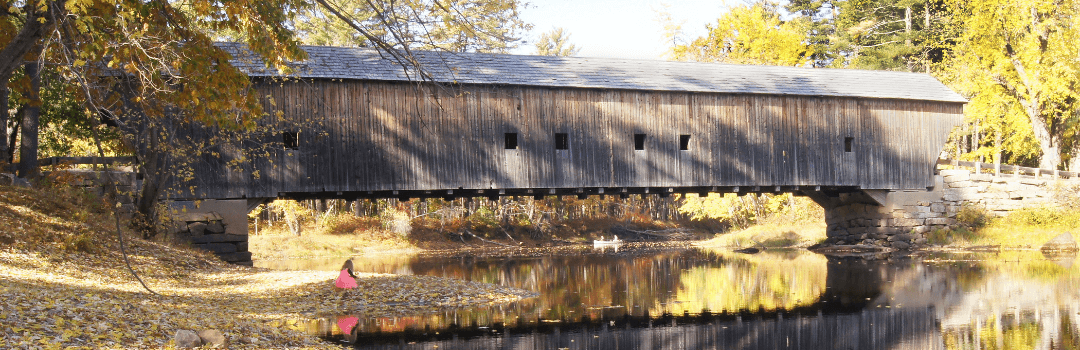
(219,248)
(214,338)
(901,237)
(197,228)
(1063,241)
(191,217)
(901,245)
(215,227)
(21,182)
(748,250)
(187,339)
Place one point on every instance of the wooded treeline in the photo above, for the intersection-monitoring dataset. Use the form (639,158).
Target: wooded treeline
(519,218)
(1016,60)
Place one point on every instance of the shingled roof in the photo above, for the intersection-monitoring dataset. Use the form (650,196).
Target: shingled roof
(607,73)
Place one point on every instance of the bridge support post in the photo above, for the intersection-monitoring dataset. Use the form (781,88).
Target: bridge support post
(216,225)
(901,219)
(894,219)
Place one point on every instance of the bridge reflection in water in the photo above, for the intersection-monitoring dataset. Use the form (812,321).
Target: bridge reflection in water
(691,299)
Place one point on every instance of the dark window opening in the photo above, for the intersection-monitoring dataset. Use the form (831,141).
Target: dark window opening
(639,142)
(847,143)
(511,141)
(291,139)
(684,142)
(562,140)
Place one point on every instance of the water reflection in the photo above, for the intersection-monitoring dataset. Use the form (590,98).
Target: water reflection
(642,297)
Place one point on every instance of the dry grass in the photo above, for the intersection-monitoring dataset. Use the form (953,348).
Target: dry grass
(771,235)
(801,225)
(1024,228)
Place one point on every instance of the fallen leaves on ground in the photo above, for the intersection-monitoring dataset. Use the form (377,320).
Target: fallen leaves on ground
(56,294)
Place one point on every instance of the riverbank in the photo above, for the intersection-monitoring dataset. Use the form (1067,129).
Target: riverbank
(363,236)
(63,283)
(1023,229)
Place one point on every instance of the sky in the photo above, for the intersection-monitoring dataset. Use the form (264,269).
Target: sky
(617,28)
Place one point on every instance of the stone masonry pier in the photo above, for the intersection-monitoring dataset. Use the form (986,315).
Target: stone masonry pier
(901,219)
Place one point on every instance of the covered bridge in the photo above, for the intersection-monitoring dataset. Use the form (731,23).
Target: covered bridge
(353,124)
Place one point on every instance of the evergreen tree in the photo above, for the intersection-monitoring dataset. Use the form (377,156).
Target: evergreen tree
(556,43)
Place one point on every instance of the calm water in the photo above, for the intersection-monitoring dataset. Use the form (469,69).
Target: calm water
(689,298)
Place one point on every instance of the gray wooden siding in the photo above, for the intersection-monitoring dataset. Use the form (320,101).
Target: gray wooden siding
(380,136)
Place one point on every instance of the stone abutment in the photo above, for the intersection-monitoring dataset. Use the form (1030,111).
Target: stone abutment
(902,219)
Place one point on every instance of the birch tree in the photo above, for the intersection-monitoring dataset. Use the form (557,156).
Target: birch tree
(1023,54)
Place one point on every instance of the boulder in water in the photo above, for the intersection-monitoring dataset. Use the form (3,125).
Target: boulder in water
(748,250)
(1063,242)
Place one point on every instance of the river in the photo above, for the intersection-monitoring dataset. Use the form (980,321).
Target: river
(679,297)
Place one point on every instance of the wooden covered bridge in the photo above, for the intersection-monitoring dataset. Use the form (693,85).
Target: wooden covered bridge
(353,124)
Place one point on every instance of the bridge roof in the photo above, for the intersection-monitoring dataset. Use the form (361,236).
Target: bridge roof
(607,73)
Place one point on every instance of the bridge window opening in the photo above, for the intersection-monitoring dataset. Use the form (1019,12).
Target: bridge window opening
(684,142)
(291,139)
(562,140)
(511,141)
(639,142)
(847,143)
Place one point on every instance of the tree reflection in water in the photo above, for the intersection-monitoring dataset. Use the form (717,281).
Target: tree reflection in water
(649,297)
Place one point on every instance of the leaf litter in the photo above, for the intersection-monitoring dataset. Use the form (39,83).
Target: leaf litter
(63,285)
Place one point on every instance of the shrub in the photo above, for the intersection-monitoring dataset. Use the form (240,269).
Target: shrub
(973,216)
(347,223)
(1040,217)
(396,221)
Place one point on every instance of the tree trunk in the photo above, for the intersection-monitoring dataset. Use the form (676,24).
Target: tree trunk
(4,117)
(926,29)
(156,165)
(907,26)
(1074,160)
(13,137)
(1051,154)
(28,149)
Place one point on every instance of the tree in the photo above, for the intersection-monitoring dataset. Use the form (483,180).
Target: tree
(752,34)
(556,42)
(907,35)
(820,17)
(1021,56)
(151,67)
(449,25)
(138,63)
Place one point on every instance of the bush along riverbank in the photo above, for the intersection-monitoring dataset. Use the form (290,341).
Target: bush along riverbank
(64,283)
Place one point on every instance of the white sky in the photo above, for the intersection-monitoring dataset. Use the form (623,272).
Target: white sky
(617,28)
